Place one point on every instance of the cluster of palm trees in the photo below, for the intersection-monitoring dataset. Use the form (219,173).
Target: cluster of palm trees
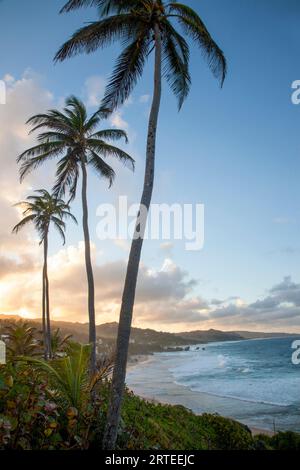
(72,137)
(142,27)
(24,339)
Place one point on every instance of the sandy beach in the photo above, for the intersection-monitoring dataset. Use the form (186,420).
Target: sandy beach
(152,380)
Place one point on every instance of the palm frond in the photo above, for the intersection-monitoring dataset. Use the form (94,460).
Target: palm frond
(59,229)
(77,110)
(101,167)
(111,151)
(45,148)
(52,136)
(104,6)
(67,175)
(196,29)
(22,223)
(33,163)
(42,195)
(107,7)
(68,376)
(75,4)
(68,215)
(97,35)
(176,68)
(110,134)
(128,70)
(53,119)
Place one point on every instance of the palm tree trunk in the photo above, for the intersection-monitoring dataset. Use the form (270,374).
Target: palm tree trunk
(89,269)
(119,374)
(47,303)
(44,313)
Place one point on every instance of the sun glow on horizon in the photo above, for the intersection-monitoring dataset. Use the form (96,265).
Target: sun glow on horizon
(24,313)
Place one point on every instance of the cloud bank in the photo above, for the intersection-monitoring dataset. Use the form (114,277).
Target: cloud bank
(166,296)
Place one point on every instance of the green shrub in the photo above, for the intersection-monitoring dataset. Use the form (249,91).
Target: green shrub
(32,418)
(226,434)
(262,442)
(286,441)
(148,425)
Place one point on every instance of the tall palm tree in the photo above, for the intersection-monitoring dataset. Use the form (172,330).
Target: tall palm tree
(143,26)
(42,210)
(72,136)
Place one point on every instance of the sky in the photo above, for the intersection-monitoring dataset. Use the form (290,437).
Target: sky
(236,150)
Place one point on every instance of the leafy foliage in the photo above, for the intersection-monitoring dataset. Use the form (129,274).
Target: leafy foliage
(170,427)
(286,441)
(133,23)
(37,412)
(69,376)
(59,343)
(22,339)
(42,210)
(30,419)
(71,135)
(226,434)
(50,405)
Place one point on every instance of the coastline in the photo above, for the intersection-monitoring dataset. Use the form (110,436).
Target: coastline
(149,377)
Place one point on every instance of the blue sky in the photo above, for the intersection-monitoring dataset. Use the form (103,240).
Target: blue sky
(236,150)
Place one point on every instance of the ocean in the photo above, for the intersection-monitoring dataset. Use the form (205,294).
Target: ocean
(253,381)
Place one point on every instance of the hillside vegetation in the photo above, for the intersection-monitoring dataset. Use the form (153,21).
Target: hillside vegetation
(58,404)
(38,413)
(142,341)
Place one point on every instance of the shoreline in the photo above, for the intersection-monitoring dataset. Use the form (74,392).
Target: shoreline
(149,378)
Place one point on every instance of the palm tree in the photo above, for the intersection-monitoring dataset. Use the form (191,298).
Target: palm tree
(143,26)
(72,136)
(69,378)
(42,210)
(59,343)
(22,339)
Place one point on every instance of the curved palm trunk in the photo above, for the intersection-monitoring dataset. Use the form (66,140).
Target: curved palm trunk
(89,269)
(46,298)
(118,380)
(44,314)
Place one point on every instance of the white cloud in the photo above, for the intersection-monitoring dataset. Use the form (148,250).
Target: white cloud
(94,90)
(122,244)
(167,248)
(129,101)
(118,121)
(25,97)
(282,220)
(144,98)
(20,254)
(8,78)
(279,310)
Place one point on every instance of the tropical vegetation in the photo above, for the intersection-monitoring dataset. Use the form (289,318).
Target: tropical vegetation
(58,405)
